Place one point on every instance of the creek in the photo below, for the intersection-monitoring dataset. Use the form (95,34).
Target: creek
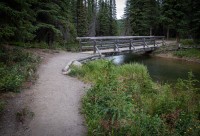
(161,70)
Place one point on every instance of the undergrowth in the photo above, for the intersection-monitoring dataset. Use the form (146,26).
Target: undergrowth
(16,66)
(74,47)
(189,53)
(125,101)
(2,104)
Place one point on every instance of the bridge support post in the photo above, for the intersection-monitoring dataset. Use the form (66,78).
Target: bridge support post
(94,46)
(163,41)
(80,46)
(115,43)
(144,43)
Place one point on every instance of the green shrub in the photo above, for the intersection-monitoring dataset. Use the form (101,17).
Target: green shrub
(11,81)
(2,105)
(190,53)
(16,66)
(125,101)
(69,46)
(41,45)
(187,42)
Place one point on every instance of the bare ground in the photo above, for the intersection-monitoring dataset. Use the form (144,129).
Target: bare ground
(51,107)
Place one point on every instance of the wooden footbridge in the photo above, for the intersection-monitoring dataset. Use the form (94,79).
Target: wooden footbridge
(113,44)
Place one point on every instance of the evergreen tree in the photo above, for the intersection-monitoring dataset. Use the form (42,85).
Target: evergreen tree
(195,19)
(141,16)
(48,19)
(126,18)
(106,21)
(174,15)
(92,16)
(16,22)
(103,19)
(82,22)
(151,14)
(113,18)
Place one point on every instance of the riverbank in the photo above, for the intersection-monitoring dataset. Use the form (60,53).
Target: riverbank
(125,101)
(170,55)
(183,53)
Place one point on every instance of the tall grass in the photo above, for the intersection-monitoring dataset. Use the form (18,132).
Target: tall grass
(190,53)
(125,101)
(71,46)
(16,66)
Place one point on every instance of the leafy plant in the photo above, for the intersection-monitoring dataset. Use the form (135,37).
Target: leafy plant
(2,104)
(187,42)
(16,66)
(190,53)
(125,101)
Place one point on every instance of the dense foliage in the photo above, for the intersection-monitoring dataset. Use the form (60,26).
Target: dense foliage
(172,18)
(190,53)
(125,101)
(60,21)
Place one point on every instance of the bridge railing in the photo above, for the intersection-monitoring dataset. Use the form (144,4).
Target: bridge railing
(116,42)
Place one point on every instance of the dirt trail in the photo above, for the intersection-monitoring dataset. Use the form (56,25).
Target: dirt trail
(55,101)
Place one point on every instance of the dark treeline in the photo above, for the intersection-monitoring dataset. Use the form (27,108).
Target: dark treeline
(56,20)
(172,18)
(63,20)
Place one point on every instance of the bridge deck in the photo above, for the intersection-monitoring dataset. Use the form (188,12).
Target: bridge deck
(110,44)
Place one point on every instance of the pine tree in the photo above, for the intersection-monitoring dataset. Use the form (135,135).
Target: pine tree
(126,19)
(151,14)
(195,19)
(113,18)
(103,19)
(82,22)
(174,15)
(92,16)
(47,21)
(106,21)
(16,22)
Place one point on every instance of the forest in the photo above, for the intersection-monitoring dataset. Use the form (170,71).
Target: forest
(55,21)
(62,21)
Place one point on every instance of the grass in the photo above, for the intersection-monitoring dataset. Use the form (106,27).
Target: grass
(16,67)
(189,53)
(74,47)
(24,114)
(2,104)
(125,101)
(187,42)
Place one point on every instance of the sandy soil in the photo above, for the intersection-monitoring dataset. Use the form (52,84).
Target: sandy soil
(53,103)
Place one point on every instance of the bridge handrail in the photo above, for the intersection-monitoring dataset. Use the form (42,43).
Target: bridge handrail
(116,37)
(96,41)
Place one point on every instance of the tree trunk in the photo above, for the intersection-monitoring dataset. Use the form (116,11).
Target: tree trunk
(167,32)
(150,31)
(177,37)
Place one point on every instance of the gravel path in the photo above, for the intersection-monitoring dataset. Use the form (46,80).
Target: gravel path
(56,100)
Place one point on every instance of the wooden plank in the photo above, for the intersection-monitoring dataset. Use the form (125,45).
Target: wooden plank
(120,43)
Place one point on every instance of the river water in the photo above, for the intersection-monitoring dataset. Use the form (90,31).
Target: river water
(161,69)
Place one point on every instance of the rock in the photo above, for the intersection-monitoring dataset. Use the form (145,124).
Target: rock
(77,64)
(67,69)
